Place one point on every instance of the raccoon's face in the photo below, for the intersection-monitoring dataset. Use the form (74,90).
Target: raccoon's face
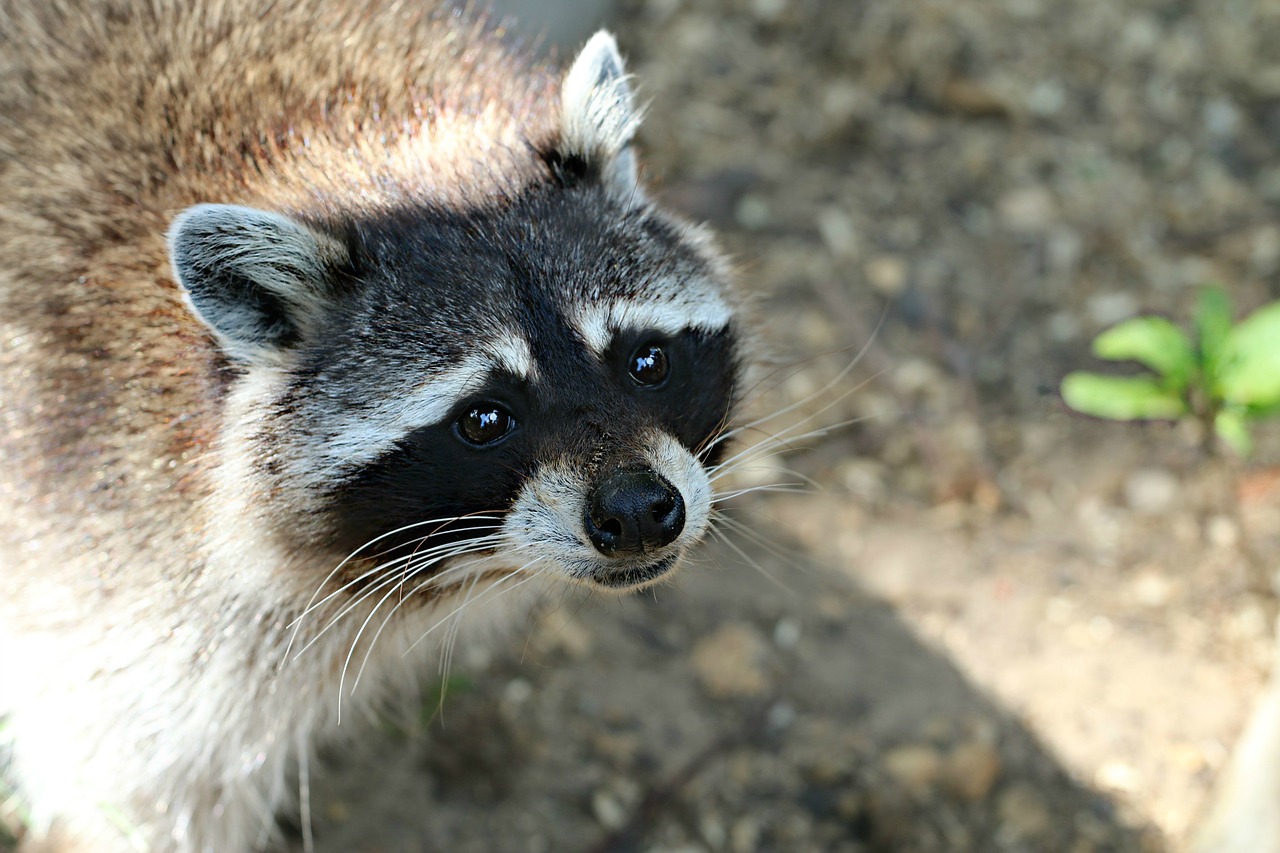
(538,382)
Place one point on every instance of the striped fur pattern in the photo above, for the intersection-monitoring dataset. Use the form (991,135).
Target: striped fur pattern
(325,328)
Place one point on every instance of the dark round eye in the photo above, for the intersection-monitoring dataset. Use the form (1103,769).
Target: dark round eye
(648,365)
(484,424)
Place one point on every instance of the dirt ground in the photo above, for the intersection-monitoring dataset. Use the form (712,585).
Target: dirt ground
(984,623)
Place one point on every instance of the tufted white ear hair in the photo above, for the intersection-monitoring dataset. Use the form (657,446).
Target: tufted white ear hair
(258,280)
(598,116)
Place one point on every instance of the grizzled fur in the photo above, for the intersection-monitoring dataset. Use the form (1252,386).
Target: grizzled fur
(267,270)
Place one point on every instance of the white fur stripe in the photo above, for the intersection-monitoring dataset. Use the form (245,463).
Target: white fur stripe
(598,323)
(362,435)
(512,353)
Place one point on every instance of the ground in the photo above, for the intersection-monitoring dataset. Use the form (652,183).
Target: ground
(983,623)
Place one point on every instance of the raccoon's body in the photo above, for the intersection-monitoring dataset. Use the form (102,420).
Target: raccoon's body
(320,324)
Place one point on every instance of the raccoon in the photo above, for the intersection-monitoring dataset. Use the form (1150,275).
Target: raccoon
(321,325)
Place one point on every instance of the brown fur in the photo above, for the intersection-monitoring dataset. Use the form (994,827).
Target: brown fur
(115,116)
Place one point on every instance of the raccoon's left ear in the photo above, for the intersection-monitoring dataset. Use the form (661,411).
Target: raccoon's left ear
(258,280)
(598,119)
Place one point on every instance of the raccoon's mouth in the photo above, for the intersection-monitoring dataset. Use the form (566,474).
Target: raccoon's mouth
(633,577)
(620,530)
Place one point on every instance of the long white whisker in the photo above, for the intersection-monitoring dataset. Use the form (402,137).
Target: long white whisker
(496,583)
(417,556)
(374,570)
(752,535)
(425,559)
(821,430)
(765,454)
(411,542)
(355,642)
(360,598)
(736,431)
(779,488)
(388,570)
(728,540)
(304,792)
(381,567)
(426,584)
(832,383)
(872,336)
(778,439)
(356,552)
(497,590)
(451,636)
(766,446)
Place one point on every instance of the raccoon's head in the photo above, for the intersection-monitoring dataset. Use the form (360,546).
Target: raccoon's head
(538,380)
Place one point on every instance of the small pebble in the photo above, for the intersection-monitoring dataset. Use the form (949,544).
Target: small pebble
(1046,99)
(730,662)
(1118,776)
(1063,326)
(887,274)
(1023,815)
(786,633)
(753,213)
(916,767)
(517,691)
(971,771)
(1106,309)
(837,232)
(1151,491)
(1028,209)
(1222,532)
(608,810)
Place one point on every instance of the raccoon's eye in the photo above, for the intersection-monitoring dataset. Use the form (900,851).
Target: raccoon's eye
(648,365)
(484,424)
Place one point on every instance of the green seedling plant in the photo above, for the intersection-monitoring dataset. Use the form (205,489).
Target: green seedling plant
(1225,375)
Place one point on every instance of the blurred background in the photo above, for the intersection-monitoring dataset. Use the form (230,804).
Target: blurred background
(985,623)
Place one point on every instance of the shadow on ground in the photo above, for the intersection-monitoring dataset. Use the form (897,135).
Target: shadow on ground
(730,711)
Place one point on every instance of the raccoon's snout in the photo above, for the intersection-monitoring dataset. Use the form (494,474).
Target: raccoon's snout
(633,511)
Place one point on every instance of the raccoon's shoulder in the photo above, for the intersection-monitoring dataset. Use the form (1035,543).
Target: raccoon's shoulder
(119,114)
(148,107)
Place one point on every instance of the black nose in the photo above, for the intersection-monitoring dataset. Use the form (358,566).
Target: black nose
(633,511)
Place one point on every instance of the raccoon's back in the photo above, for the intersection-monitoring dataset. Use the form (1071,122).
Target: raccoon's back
(114,116)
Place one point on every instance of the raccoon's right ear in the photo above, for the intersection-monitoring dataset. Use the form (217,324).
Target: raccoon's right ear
(257,279)
(598,120)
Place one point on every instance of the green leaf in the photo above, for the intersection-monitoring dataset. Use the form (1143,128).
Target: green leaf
(1232,427)
(1152,341)
(1249,370)
(1258,413)
(1213,323)
(1121,398)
